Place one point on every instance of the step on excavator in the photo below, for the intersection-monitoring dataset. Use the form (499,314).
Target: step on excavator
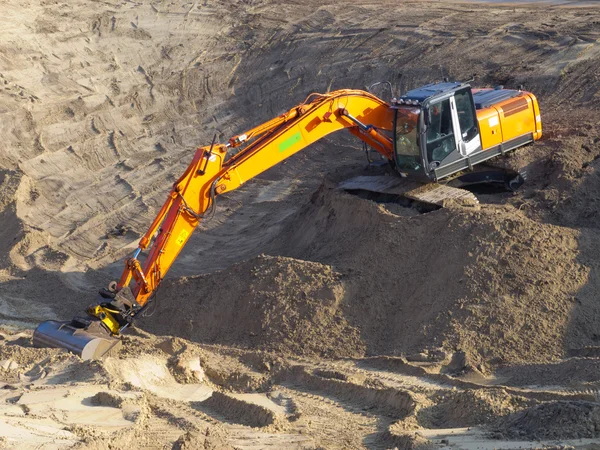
(427,135)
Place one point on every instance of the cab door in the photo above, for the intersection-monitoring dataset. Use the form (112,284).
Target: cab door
(440,137)
(464,120)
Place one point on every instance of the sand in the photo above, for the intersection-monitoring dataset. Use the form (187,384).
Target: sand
(300,316)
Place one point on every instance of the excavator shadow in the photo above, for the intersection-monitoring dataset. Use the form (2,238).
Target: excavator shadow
(396,199)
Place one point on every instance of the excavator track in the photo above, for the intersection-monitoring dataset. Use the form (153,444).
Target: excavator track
(431,193)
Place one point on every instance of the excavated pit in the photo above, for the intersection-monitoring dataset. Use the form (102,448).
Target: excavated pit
(300,316)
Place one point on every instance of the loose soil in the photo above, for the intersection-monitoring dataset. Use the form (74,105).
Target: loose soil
(300,316)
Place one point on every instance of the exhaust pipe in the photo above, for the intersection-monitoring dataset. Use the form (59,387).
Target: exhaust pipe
(91,341)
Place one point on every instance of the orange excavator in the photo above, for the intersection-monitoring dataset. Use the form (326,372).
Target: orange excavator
(428,134)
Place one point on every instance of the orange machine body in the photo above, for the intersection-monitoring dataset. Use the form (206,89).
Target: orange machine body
(461,127)
(508,119)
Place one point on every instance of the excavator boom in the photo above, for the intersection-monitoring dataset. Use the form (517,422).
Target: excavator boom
(210,174)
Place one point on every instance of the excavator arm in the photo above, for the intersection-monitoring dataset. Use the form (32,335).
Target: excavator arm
(211,174)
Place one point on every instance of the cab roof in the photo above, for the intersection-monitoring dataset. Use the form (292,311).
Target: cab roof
(429,90)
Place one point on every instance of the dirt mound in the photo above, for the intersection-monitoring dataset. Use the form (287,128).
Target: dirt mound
(568,419)
(471,407)
(25,356)
(207,439)
(487,281)
(271,303)
(240,411)
(398,437)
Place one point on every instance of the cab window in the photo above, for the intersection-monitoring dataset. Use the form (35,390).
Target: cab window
(466,114)
(406,140)
(440,136)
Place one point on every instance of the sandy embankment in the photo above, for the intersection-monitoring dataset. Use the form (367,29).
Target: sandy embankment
(363,324)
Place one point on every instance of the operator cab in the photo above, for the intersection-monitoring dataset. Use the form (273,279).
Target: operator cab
(434,127)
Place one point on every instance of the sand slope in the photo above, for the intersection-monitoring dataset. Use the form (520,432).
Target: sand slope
(362,325)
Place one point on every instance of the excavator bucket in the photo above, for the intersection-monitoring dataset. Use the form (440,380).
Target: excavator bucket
(91,341)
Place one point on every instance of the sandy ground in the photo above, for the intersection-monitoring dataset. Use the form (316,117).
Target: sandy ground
(299,316)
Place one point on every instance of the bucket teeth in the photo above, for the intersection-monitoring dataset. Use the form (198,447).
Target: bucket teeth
(91,342)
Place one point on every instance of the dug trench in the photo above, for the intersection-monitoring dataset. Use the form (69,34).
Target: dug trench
(300,316)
